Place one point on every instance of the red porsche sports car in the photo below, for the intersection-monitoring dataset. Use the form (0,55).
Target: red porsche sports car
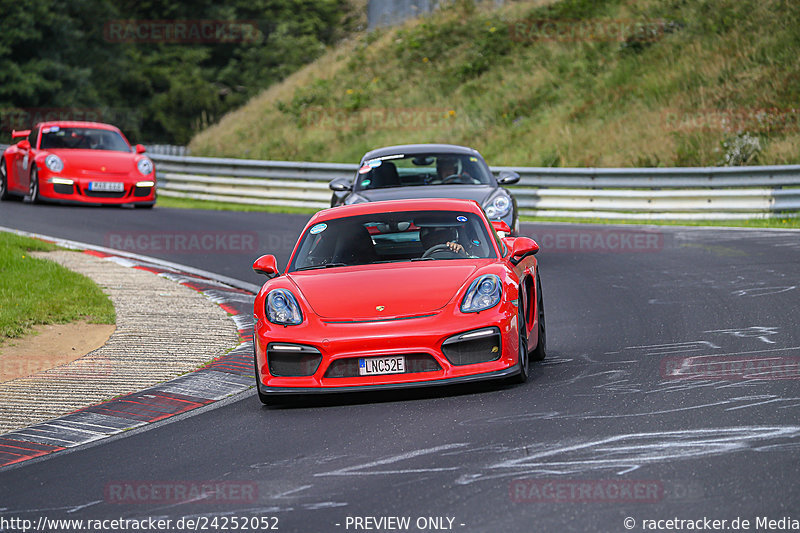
(395,294)
(77,162)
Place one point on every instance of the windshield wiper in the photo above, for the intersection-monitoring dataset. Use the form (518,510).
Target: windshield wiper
(316,267)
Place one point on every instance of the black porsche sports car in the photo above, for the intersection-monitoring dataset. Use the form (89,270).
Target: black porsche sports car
(429,171)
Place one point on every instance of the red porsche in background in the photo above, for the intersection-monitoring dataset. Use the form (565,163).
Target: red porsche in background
(77,162)
(398,293)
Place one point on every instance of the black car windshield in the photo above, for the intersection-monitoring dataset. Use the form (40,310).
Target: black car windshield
(403,170)
(56,137)
(393,237)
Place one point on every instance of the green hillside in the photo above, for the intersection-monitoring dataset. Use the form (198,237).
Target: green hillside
(543,83)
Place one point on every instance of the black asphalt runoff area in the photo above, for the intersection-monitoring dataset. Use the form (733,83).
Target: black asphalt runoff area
(670,392)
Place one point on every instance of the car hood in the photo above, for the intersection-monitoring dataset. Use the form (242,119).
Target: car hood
(401,289)
(479,193)
(97,161)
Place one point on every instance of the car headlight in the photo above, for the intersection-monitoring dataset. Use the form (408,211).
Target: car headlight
(54,163)
(282,308)
(482,294)
(145,166)
(498,207)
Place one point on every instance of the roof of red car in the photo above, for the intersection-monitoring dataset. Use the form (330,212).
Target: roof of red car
(77,124)
(389,206)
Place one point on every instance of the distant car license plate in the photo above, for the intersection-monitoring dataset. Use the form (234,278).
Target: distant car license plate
(106,186)
(368,366)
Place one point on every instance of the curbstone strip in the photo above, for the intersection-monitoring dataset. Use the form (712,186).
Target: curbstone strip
(146,350)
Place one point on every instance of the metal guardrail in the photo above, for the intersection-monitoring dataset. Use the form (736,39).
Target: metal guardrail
(246,181)
(167,149)
(690,193)
(624,193)
(687,193)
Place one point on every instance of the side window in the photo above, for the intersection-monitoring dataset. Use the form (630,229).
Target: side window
(33,137)
(500,243)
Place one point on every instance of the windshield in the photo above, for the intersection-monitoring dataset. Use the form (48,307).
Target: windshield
(56,137)
(393,237)
(422,169)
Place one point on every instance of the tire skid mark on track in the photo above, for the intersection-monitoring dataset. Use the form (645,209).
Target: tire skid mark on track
(628,452)
(365,469)
(221,377)
(618,454)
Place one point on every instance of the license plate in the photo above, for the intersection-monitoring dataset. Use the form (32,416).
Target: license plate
(106,186)
(370,366)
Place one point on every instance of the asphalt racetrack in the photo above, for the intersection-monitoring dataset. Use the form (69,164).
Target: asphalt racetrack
(670,393)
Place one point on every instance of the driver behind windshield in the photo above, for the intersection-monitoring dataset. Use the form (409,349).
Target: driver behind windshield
(431,237)
(450,169)
(446,166)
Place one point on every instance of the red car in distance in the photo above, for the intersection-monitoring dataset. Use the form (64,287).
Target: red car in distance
(77,162)
(399,293)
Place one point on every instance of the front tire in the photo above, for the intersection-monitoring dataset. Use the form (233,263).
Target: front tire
(523,359)
(3,179)
(540,352)
(261,396)
(33,189)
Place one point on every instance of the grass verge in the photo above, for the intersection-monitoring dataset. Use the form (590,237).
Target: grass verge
(36,291)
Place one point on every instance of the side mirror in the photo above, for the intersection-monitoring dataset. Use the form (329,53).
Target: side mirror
(140,149)
(508,177)
(340,185)
(267,265)
(24,145)
(522,248)
(501,227)
(20,133)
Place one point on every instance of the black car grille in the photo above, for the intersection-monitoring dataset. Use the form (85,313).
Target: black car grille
(415,362)
(292,360)
(142,191)
(63,188)
(472,347)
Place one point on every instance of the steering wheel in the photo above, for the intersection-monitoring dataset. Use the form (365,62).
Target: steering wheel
(441,250)
(453,177)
